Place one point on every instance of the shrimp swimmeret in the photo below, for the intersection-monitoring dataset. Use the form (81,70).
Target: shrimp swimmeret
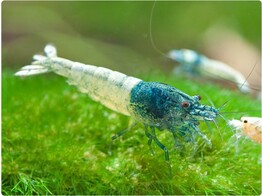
(154,104)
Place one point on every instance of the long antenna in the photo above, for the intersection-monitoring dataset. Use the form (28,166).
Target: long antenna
(248,76)
(150,32)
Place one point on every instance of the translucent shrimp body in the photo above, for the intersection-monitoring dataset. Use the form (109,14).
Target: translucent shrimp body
(250,127)
(197,64)
(108,87)
(154,104)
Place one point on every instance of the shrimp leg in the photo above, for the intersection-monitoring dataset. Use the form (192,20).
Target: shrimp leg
(164,148)
(150,139)
(119,134)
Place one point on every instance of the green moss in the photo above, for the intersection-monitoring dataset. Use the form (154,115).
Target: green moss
(56,140)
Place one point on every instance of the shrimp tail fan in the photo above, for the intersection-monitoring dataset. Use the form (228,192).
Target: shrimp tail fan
(38,66)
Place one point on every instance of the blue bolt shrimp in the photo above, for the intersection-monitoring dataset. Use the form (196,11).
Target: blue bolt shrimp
(199,65)
(156,105)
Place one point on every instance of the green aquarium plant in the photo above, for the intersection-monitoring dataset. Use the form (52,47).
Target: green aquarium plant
(57,141)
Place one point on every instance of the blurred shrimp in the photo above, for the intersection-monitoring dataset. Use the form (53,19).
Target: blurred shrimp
(197,64)
(250,127)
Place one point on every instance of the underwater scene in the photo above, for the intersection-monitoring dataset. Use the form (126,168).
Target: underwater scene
(131,98)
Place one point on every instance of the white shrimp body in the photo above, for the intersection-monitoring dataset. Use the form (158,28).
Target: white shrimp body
(249,126)
(110,88)
(197,64)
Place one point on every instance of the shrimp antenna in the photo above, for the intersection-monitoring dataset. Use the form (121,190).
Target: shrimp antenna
(208,98)
(253,87)
(248,75)
(223,117)
(150,33)
(235,112)
(222,138)
(224,104)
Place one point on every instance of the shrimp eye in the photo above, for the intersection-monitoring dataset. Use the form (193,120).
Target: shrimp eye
(185,104)
(245,121)
(199,97)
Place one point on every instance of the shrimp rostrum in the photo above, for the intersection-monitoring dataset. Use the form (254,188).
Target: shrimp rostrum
(156,105)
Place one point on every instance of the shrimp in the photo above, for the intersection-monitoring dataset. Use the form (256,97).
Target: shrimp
(155,105)
(197,64)
(250,127)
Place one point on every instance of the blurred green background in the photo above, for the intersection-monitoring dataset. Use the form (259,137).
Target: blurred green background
(116,34)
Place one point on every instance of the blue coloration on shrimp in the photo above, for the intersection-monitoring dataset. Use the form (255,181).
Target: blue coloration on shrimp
(161,106)
(166,107)
(189,60)
(156,105)
(196,64)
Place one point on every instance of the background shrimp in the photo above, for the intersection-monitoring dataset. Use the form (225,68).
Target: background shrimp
(154,104)
(250,127)
(196,64)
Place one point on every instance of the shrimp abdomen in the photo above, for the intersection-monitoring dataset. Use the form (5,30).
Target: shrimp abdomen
(111,88)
